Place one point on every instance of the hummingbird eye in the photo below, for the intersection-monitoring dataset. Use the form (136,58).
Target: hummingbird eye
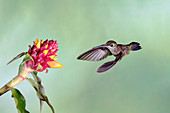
(111,45)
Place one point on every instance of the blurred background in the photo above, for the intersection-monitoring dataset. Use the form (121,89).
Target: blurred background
(139,83)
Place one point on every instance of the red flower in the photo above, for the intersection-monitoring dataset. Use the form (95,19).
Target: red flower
(40,56)
(43,54)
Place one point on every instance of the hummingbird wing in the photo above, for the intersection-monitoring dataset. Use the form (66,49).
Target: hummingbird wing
(95,54)
(109,64)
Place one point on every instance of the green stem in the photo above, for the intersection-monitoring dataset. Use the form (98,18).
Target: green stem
(18,79)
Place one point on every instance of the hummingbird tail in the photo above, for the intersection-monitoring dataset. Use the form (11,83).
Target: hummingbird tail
(135,46)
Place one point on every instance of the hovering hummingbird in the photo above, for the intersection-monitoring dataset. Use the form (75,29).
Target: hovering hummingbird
(108,49)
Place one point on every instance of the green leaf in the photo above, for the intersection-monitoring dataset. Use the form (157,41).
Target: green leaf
(39,67)
(27,57)
(18,56)
(19,100)
(36,83)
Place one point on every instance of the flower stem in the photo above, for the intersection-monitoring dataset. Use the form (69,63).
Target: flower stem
(18,79)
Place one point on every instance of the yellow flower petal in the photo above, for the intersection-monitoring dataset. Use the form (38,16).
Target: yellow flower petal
(55,58)
(38,44)
(36,41)
(52,56)
(54,64)
(45,52)
(42,41)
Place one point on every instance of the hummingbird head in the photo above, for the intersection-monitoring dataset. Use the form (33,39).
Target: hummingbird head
(111,43)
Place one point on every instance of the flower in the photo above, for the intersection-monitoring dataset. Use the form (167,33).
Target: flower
(40,56)
(43,54)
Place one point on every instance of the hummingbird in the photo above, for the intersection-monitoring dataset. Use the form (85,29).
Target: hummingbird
(110,48)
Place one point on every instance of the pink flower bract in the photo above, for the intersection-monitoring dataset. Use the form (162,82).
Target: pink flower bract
(43,55)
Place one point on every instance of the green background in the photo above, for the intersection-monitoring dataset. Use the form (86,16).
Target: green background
(139,83)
